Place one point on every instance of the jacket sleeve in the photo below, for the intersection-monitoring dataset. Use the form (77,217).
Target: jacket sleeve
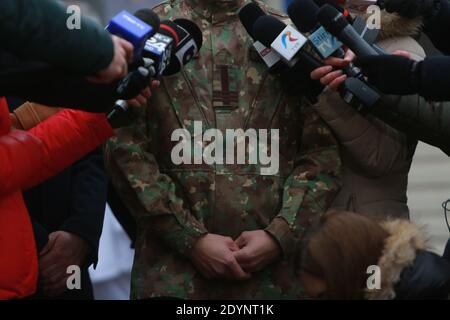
(148,194)
(311,187)
(374,147)
(436,26)
(21,154)
(417,118)
(38,82)
(413,115)
(37,30)
(29,158)
(89,186)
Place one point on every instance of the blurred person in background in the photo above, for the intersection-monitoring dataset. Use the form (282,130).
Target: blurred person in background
(37,142)
(376,157)
(49,147)
(353,256)
(27,159)
(67,213)
(434,14)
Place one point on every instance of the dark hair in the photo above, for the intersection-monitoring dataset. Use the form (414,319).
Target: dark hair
(340,250)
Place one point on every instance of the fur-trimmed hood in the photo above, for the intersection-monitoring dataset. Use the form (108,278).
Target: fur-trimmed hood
(394,25)
(400,248)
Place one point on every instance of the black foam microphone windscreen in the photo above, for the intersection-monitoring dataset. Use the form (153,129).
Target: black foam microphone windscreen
(266,29)
(193,29)
(149,17)
(331,19)
(248,16)
(303,14)
(189,43)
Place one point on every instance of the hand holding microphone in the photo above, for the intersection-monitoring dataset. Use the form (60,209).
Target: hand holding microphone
(118,68)
(142,98)
(136,87)
(129,34)
(332,74)
(174,45)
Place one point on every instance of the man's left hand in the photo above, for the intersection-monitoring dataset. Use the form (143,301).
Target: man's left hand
(257,250)
(63,250)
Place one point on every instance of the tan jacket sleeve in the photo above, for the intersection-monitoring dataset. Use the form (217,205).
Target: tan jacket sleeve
(374,147)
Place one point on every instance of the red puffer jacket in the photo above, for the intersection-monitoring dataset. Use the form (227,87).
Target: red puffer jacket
(27,159)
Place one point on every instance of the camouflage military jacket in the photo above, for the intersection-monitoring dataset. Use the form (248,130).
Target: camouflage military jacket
(225,88)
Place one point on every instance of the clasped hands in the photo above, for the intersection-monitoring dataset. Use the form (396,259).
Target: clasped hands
(216,256)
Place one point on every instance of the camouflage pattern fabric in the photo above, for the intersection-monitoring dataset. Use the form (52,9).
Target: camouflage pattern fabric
(174,205)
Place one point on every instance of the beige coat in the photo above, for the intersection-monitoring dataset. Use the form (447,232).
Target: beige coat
(376,158)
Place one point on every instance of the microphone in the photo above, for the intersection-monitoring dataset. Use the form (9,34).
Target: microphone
(136,29)
(358,23)
(286,41)
(335,23)
(174,45)
(293,78)
(41,80)
(159,47)
(191,41)
(149,17)
(157,53)
(370,35)
(136,81)
(268,30)
(355,92)
(303,14)
(55,87)
(283,39)
(248,16)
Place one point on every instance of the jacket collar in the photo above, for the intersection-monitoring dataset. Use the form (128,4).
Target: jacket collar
(215,11)
(400,248)
(393,25)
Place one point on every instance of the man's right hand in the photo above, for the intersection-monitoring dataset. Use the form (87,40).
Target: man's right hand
(118,68)
(213,257)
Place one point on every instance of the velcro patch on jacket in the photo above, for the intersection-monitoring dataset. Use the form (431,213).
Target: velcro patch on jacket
(225,88)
